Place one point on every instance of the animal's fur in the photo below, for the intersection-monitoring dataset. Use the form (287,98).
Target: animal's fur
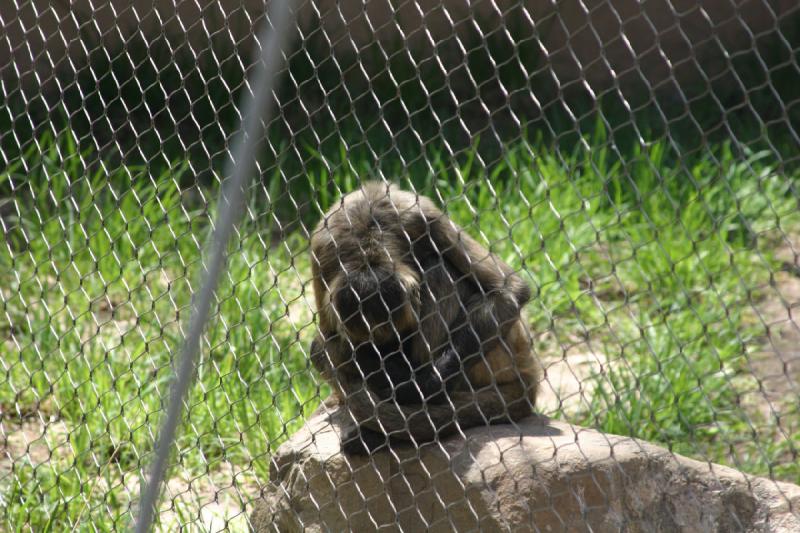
(419,326)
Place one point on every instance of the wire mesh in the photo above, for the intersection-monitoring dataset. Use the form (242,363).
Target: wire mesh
(635,164)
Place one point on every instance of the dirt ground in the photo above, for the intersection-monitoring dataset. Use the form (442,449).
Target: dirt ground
(774,359)
(768,389)
(215,501)
(209,502)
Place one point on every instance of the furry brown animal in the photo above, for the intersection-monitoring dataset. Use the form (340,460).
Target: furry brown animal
(420,331)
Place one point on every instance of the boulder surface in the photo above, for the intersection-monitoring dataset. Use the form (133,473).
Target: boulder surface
(537,475)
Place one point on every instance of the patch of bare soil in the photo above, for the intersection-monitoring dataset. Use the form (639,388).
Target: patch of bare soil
(32,440)
(566,388)
(769,388)
(212,502)
(775,357)
(771,393)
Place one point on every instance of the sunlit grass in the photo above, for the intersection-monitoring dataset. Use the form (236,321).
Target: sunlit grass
(654,257)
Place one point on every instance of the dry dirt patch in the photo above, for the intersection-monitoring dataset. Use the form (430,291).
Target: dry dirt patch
(32,440)
(774,358)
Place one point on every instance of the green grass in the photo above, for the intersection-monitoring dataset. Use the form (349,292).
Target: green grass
(653,256)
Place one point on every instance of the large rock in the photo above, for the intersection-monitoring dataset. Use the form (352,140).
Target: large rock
(539,475)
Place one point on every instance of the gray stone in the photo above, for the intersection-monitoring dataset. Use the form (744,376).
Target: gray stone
(538,475)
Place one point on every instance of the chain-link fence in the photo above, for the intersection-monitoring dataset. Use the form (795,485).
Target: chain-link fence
(635,165)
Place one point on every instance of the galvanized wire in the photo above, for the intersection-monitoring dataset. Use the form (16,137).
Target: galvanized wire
(635,163)
(242,166)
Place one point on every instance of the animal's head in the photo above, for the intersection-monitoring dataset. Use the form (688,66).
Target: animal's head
(366,281)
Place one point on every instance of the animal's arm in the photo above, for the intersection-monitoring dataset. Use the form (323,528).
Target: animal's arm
(388,373)
(426,422)
(333,358)
(409,384)
(491,295)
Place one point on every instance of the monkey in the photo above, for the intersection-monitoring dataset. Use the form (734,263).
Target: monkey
(420,328)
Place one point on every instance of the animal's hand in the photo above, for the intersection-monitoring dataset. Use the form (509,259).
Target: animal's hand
(448,364)
(332,359)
